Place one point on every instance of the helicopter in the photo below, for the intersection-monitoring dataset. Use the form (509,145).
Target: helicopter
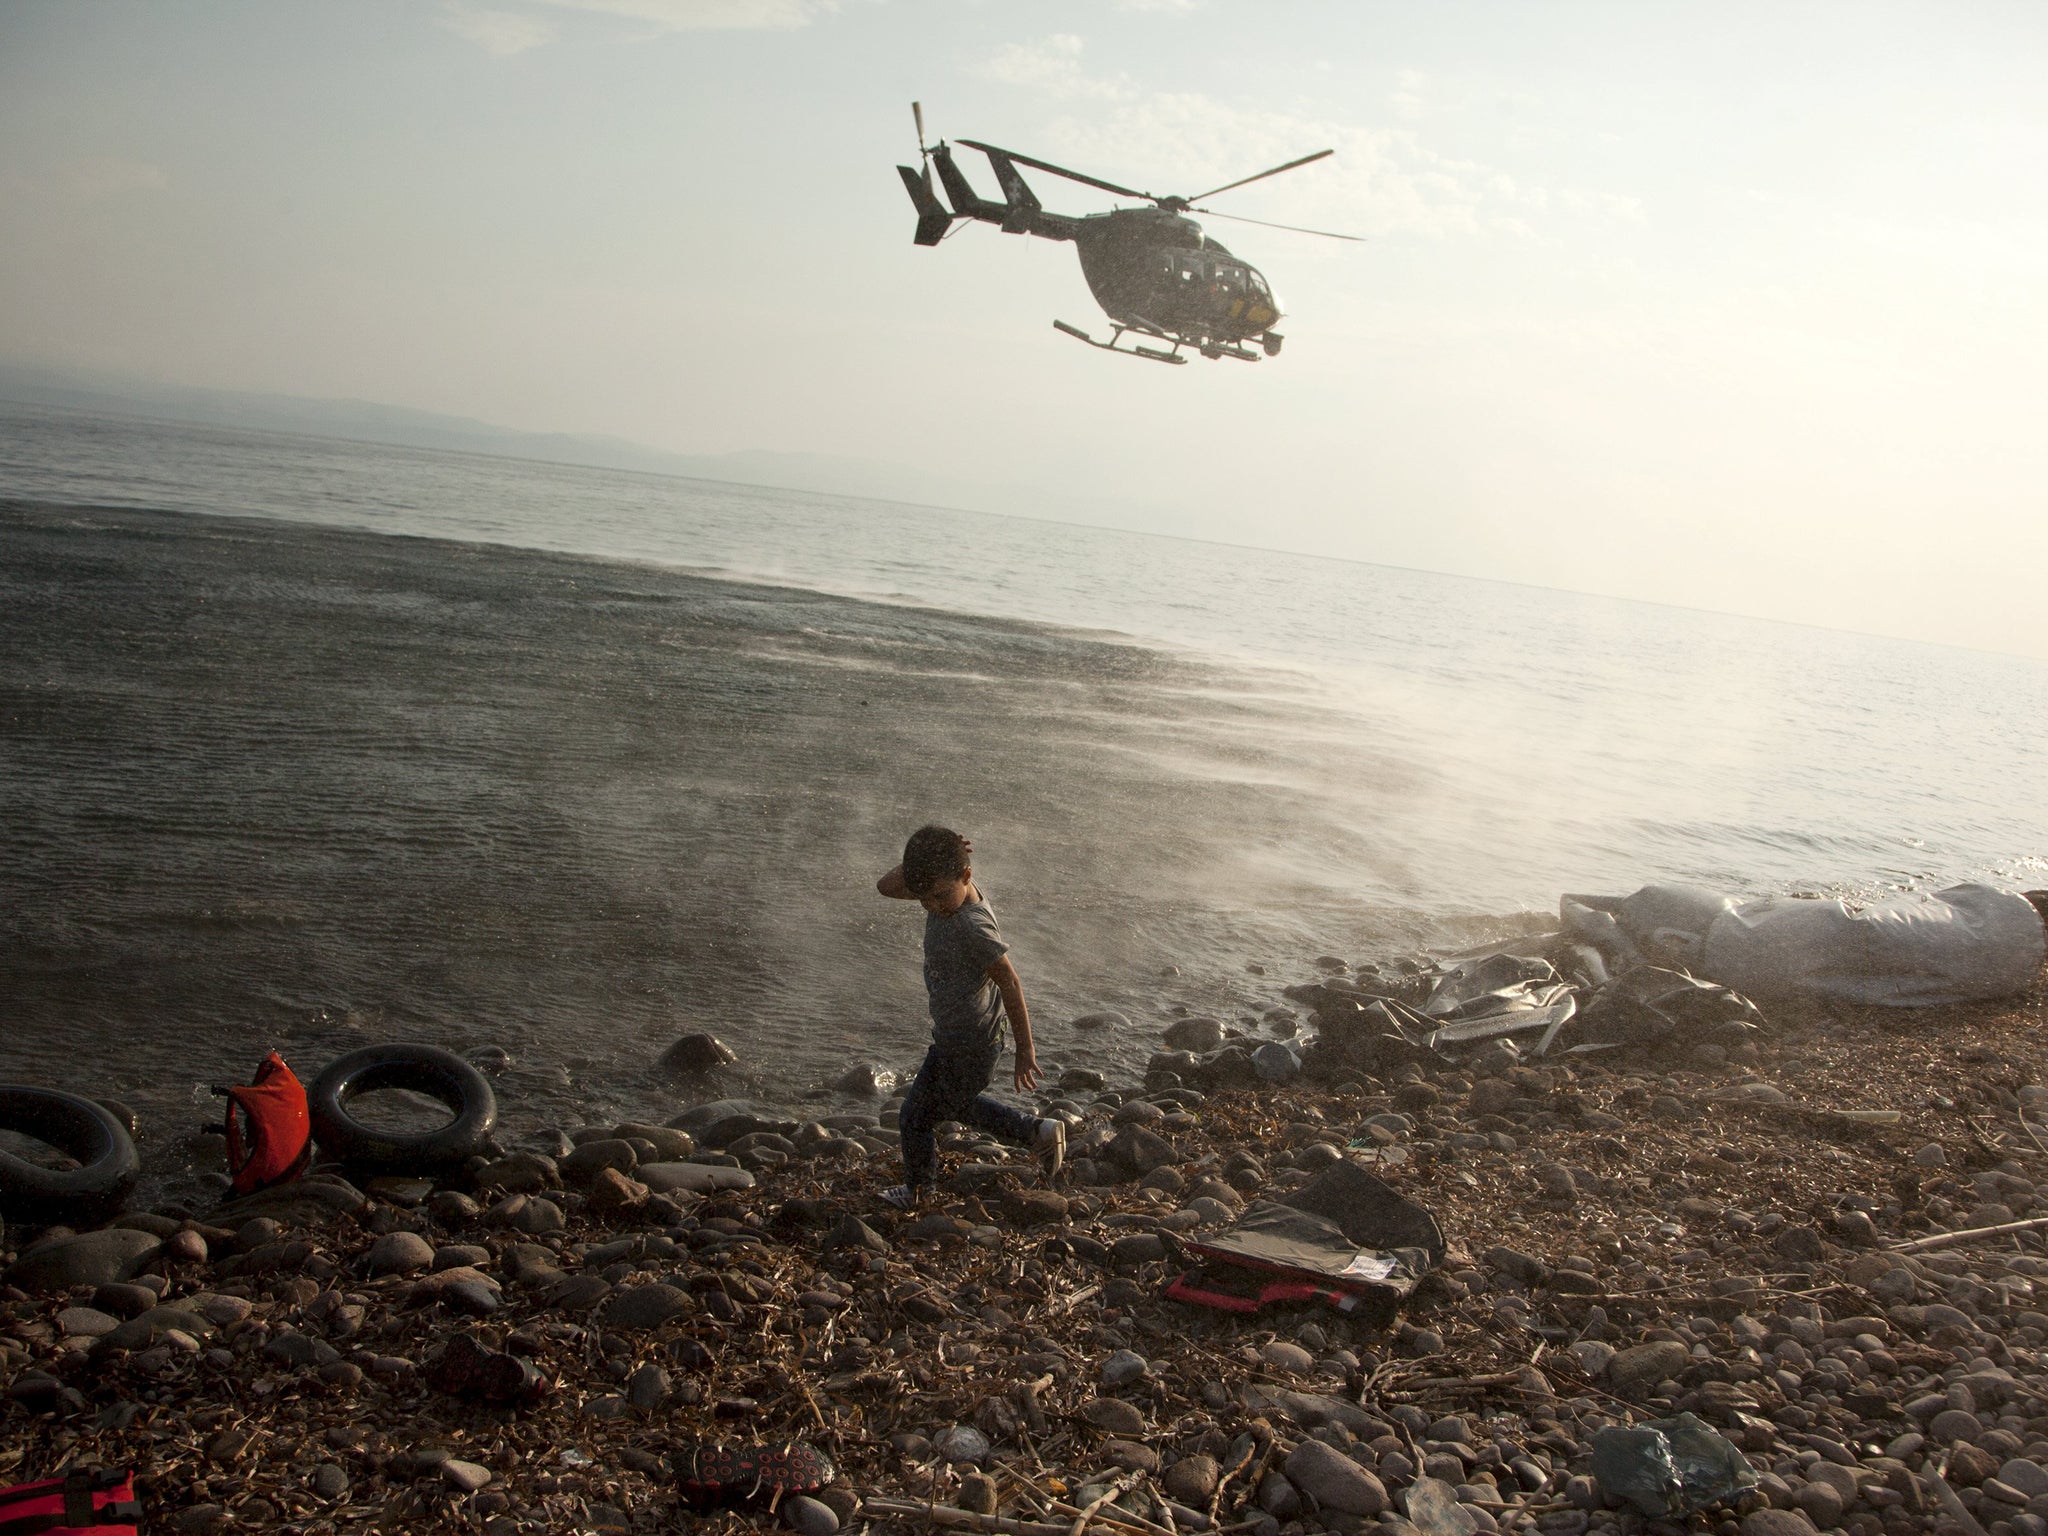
(1153,271)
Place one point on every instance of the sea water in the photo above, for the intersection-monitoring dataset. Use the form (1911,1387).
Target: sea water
(623,757)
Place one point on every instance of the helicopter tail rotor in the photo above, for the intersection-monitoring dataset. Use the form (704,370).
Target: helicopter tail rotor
(933,217)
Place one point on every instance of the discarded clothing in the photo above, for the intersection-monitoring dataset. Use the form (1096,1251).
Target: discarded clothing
(1963,944)
(1344,1231)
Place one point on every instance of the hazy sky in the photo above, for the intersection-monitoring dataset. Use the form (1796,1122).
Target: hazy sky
(1733,305)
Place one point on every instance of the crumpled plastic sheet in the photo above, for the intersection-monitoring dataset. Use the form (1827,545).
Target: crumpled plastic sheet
(1670,1467)
(1649,1003)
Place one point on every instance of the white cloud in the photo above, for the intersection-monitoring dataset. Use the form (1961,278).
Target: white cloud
(1410,98)
(707,15)
(1382,180)
(503,31)
(1053,66)
(497,32)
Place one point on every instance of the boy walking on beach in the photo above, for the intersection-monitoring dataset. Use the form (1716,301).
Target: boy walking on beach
(971,984)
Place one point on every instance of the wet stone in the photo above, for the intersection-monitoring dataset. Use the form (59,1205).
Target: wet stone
(1334,1480)
(1129,1455)
(853,1233)
(811,1517)
(1192,1479)
(85,1258)
(330,1482)
(464,1476)
(399,1253)
(1642,1367)
(85,1322)
(1115,1416)
(642,1307)
(962,1443)
(1292,1358)
(647,1388)
(1122,1368)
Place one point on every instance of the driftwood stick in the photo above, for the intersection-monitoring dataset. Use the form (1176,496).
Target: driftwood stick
(1123,1519)
(1223,1482)
(1951,1239)
(1128,1480)
(959,1519)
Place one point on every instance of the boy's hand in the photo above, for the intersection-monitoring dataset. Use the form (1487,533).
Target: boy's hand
(1027,1069)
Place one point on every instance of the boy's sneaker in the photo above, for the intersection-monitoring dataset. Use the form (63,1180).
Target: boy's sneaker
(1050,1147)
(903,1197)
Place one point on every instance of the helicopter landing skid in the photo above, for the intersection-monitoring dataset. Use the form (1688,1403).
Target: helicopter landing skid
(1153,354)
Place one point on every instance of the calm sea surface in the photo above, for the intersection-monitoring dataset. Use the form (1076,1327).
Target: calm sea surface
(623,756)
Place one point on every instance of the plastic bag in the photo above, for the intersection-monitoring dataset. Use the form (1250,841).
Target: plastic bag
(1670,1467)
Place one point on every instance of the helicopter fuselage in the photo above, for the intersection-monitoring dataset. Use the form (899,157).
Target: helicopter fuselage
(1152,270)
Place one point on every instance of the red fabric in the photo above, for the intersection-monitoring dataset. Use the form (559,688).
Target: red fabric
(105,1501)
(1194,1288)
(280,1134)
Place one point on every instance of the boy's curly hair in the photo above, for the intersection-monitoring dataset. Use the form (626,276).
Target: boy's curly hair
(933,854)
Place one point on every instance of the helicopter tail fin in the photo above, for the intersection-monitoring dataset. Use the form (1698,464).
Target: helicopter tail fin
(932,218)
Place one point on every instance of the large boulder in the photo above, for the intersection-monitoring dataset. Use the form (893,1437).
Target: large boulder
(700,1178)
(1334,1480)
(1140,1150)
(1199,1035)
(1107,1019)
(84,1258)
(696,1053)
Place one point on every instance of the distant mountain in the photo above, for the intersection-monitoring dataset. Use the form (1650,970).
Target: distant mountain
(368,421)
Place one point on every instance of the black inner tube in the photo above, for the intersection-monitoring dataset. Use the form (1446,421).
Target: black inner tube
(77,1127)
(424,1069)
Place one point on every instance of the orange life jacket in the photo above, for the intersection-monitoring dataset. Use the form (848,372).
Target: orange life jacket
(279,1140)
(93,1503)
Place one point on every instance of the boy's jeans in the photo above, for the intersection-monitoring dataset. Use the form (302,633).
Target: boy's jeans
(949,1087)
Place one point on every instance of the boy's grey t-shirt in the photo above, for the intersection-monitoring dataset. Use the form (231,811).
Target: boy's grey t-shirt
(967,1010)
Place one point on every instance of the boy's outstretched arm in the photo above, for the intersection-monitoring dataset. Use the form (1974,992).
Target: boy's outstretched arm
(1011,988)
(892,884)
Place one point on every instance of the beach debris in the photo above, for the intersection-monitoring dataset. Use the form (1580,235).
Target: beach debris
(1670,1467)
(1635,1235)
(1967,943)
(725,1472)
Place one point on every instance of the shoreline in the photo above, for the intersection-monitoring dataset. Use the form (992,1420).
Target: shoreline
(1701,1252)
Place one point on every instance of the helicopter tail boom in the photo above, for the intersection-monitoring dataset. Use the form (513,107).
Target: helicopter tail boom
(932,218)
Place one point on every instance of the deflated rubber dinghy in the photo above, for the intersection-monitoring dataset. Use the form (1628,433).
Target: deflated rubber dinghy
(424,1069)
(1968,943)
(86,1132)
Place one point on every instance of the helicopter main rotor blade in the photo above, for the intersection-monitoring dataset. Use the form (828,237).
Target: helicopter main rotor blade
(1059,170)
(1238,218)
(1247,181)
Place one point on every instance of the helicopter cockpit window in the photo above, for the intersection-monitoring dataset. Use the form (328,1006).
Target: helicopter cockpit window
(1259,285)
(1190,270)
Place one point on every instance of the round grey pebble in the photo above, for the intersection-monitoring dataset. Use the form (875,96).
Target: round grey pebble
(809,1517)
(1123,1368)
(330,1482)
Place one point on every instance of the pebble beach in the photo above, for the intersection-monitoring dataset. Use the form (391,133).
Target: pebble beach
(1818,1243)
